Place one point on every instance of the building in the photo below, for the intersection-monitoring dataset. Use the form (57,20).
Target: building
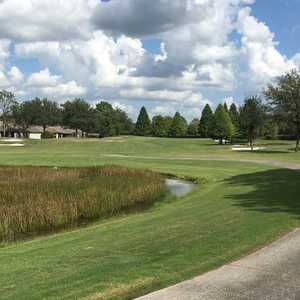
(36,132)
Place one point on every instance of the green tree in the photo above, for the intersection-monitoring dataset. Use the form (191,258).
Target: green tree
(51,114)
(7,102)
(178,127)
(21,114)
(161,125)
(226,108)
(78,115)
(235,116)
(284,99)
(110,121)
(44,112)
(252,118)
(193,129)
(143,124)
(206,122)
(270,129)
(224,128)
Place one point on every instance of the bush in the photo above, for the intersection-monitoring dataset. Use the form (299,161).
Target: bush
(48,135)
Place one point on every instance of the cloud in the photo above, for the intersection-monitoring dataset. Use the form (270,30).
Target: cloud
(186,97)
(35,20)
(42,78)
(16,76)
(127,108)
(4,52)
(43,83)
(208,49)
(262,60)
(139,18)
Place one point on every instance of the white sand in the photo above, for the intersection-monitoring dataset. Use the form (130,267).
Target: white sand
(12,145)
(11,140)
(248,148)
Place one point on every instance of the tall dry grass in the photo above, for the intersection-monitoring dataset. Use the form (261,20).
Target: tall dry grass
(38,200)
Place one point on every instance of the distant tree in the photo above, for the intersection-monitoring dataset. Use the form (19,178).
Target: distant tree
(284,99)
(252,118)
(161,125)
(206,122)
(224,128)
(7,102)
(226,108)
(110,121)
(235,116)
(77,114)
(178,127)
(143,124)
(50,114)
(21,115)
(270,129)
(193,129)
(124,124)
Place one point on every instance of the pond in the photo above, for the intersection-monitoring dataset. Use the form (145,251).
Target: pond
(178,187)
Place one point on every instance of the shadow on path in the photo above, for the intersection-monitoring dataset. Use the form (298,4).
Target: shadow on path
(269,191)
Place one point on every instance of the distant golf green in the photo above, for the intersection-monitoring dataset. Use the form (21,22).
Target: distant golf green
(237,207)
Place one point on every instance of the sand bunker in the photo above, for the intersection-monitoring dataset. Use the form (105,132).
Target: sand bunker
(11,140)
(12,145)
(248,148)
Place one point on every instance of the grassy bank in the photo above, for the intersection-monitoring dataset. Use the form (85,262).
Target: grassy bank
(35,200)
(242,207)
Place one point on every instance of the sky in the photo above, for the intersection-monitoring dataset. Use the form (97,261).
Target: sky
(167,55)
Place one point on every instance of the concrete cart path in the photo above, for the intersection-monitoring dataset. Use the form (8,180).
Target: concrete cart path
(272,273)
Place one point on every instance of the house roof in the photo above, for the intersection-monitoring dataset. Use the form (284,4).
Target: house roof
(52,129)
(35,129)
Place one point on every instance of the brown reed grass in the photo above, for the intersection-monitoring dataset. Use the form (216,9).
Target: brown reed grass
(35,200)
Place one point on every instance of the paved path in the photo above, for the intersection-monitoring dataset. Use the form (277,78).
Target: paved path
(272,273)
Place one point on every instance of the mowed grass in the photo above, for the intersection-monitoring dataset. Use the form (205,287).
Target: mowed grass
(36,200)
(73,152)
(239,207)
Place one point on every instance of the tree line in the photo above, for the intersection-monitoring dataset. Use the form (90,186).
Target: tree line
(103,119)
(276,115)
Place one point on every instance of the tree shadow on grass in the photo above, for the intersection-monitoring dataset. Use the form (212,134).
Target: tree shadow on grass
(269,191)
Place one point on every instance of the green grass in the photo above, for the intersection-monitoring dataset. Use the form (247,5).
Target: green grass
(240,208)
(72,152)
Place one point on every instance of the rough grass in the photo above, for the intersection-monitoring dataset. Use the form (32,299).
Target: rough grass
(35,200)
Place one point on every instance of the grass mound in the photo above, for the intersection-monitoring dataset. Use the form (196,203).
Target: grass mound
(35,200)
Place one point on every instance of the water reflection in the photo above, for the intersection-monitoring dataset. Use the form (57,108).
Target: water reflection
(178,187)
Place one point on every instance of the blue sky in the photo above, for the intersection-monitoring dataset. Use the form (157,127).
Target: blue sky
(175,55)
(283,19)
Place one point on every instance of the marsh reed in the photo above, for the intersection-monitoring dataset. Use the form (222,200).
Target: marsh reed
(36,200)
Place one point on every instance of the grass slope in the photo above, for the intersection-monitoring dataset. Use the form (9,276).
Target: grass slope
(240,208)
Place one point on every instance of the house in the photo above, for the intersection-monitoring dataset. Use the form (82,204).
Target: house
(36,132)
(62,132)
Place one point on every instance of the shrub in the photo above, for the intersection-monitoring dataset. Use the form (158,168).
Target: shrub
(48,135)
